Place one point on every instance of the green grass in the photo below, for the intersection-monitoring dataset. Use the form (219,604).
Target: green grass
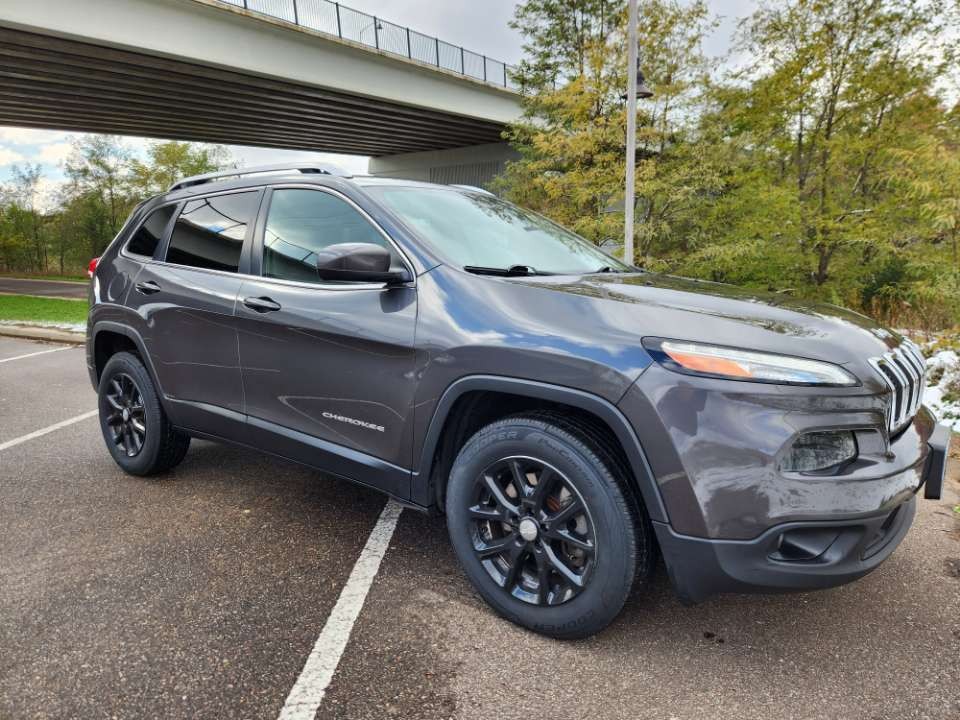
(25,308)
(28,276)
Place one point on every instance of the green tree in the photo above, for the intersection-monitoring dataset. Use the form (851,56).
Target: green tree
(105,180)
(560,36)
(925,276)
(842,85)
(168,162)
(98,174)
(572,137)
(23,223)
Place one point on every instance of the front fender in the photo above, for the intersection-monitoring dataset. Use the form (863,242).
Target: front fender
(643,480)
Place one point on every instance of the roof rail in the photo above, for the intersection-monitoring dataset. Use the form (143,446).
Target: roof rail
(306,168)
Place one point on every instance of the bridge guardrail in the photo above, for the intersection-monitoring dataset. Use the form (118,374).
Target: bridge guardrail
(346,23)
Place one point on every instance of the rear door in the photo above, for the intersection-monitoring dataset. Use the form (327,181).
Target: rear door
(188,303)
(330,361)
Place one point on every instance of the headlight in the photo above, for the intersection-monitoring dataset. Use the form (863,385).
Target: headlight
(821,450)
(733,364)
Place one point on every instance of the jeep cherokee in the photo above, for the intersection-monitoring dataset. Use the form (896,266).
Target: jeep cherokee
(573,417)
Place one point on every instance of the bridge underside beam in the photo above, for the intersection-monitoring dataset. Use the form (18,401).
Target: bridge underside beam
(58,83)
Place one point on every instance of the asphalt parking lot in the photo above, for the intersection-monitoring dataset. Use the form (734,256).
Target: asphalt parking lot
(202,594)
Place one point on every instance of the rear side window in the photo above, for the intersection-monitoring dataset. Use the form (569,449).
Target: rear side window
(209,232)
(145,240)
(302,222)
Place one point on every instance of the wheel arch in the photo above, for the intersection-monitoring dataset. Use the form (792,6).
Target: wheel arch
(454,405)
(102,351)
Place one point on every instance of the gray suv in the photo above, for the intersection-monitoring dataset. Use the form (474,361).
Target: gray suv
(573,417)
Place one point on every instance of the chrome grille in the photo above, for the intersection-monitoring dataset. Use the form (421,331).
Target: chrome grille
(903,369)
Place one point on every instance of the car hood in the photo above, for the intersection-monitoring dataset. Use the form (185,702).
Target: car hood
(651,304)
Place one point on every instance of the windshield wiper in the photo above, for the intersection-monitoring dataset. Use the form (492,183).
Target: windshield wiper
(609,269)
(512,271)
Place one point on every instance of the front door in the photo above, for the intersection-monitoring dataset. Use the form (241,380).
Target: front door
(329,362)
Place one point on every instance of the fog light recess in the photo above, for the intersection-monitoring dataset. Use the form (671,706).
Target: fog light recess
(821,451)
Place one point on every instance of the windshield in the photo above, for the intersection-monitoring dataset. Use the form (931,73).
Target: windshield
(480,231)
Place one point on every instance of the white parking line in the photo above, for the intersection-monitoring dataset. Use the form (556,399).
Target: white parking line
(34,354)
(307,693)
(48,429)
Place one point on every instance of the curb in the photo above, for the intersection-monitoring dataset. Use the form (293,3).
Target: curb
(33,332)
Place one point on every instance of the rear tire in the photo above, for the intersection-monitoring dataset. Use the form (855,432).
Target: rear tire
(544,526)
(135,428)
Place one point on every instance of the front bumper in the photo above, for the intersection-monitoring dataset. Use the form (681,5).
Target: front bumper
(700,567)
(797,555)
(715,448)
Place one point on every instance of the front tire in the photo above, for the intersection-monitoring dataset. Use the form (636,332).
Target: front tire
(135,428)
(542,524)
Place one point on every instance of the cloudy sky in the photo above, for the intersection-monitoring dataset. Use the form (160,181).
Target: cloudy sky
(478,26)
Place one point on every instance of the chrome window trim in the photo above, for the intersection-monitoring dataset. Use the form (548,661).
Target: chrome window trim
(261,278)
(325,286)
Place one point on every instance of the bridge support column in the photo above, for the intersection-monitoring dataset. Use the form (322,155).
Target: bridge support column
(473,165)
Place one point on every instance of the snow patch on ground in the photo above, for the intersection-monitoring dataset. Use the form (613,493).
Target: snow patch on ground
(70,327)
(943,379)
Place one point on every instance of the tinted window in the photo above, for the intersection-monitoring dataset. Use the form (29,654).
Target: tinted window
(301,222)
(147,237)
(209,232)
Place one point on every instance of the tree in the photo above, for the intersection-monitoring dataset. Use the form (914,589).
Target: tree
(836,86)
(168,162)
(98,180)
(23,222)
(560,36)
(105,180)
(572,137)
(927,175)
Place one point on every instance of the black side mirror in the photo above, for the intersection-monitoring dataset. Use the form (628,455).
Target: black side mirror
(358,262)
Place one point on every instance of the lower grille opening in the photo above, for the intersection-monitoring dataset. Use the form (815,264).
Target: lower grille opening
(876,543)
(804,544)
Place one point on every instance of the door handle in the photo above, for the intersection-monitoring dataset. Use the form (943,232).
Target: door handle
(147,288)
(261,304)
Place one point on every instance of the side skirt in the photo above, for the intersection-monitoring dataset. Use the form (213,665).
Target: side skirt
(215,423)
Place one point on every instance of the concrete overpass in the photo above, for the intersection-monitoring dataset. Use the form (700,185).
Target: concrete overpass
(297,74)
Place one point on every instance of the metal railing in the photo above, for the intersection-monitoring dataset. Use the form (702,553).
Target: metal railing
(344,22)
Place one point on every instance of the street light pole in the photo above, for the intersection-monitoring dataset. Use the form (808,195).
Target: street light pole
(628,199)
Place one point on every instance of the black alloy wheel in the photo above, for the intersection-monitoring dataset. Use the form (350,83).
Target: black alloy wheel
(544,524)
(127,421)
(135,427)
(532,531)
